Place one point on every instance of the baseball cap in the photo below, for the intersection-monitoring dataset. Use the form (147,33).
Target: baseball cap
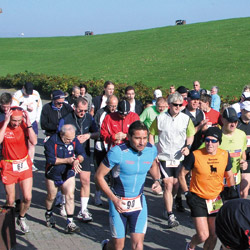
(57,94)
(123,107)
(194,95)
(215,132)
(245,105)
(230,114)
(157,93)
(28,86)
(246,94)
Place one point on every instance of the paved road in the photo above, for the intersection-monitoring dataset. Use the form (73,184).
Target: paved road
(158,235)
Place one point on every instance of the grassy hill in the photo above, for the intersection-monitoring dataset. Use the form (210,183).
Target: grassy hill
(216,53)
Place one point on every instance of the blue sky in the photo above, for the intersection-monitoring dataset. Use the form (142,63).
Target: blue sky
(42,18)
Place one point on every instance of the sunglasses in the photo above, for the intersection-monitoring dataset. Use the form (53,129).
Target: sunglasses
(210,140)
(59,103)
(16,108)
(176,104)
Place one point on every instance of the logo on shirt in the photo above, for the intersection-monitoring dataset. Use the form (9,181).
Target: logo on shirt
(130,162)
(9,135)
(70,147)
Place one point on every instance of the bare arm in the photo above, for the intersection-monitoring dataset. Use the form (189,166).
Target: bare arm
(155,173)
(230,178)
(182,179)
(151,139)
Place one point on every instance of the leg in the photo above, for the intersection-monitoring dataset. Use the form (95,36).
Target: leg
(10,194)
(244,185)
(168,197)
(211,241)
(26,187)
(51,193)
(202,231)
(137,241)
(68,189)
(115,244)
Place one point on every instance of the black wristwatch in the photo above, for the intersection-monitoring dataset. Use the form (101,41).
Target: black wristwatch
(188,146)
(159,180)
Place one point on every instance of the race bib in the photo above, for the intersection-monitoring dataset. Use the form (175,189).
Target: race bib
(20,166)
(132,204)
(172,164)
(213,206)
(236,179)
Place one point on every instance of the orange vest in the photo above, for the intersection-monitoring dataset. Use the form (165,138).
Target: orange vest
(208,173)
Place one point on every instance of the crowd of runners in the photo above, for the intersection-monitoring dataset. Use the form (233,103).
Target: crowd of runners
(191,144)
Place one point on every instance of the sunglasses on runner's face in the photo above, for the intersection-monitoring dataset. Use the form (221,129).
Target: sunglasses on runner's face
(176,104)
(16,108)
(59,103)
(212,140)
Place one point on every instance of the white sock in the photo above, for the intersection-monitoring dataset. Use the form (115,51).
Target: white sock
(84,203)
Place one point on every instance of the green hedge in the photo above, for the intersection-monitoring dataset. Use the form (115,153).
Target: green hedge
(45,84)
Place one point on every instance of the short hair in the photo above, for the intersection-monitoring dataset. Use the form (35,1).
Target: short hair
(84,86)
(206,98)
(67,127)
(137,125)
(80,99)
(129,88)
(5,98)
(215,87)
(175,97)
(74,88)
(107,83)
(112,97)
(160,99)
(246,87)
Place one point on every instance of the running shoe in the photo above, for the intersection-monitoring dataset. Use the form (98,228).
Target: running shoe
(23,225)
(85,216)
(98,201)
(178,204)
(63,210)
(72,228)
(104,243)
(50,220)
(188,247)
(172,222)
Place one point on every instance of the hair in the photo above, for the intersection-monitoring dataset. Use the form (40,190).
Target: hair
(160,99)
(84,86)
(206,98)
(74,88)
(129,88)
(137,125)
(107,83)
(246,87)
(67,127)
(224,106)
(175,97)
(215,87)
(80,99)
(5,98)
(112,97)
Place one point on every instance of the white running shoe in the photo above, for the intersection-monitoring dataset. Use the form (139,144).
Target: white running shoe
(85,216)
(172,222)
(23,225)
(72,228)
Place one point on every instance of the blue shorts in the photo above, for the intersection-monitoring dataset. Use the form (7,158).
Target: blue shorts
(136,220)
(35,127)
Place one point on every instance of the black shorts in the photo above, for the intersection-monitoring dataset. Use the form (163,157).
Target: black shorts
(199,207)
(99,156)
(167,172)
(86,164)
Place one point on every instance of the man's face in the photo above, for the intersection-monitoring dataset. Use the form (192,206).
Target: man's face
(109,90)
(130,95)
(213,91)
(229,127)
(172,89)
(196,86)
(175,108)
(76,93)
(15,121)
(193,104)
(203,105)
(5,107)
(211,144)
(59,102)
(245,114)
(81,109)
(161,106)
(138,140)
(68,137)
(112,105)
(82,91)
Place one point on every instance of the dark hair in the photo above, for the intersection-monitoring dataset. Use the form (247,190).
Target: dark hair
(84,86)
(129,88)
(80,99)
(5,98)
(107,83)
(137,125)
(206,98)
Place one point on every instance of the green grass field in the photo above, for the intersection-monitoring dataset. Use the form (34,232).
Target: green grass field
(216,53)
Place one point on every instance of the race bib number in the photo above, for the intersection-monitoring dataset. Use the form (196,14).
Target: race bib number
(236,179)
(172,164)
(132,204)
(213,206)
(19,166)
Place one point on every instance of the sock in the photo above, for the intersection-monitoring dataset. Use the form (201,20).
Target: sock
(49,211)
(84,203)
(169,213)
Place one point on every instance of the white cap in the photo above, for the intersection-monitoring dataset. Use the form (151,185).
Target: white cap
(246,94)
(245,105)
(158,93)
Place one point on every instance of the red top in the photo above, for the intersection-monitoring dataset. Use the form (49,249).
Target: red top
(212,116)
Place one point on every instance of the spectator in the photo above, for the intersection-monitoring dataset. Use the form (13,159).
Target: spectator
(74,95)
(184,92)
(197,86)
(171,89)
(84,93)
(5,104)
(157,94)
(136,106)
(215,102)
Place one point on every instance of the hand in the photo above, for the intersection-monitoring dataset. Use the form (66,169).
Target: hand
(26,118)
(77,166)
(185,151)
(7,116)
(156,187)
(120,136)
(83,138)
(70,160)
(243,164)
(119,205)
